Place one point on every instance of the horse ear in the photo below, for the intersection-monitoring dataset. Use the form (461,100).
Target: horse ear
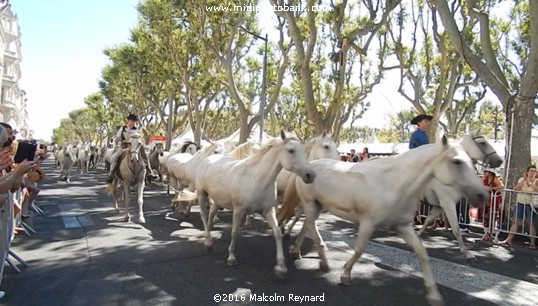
(479,132)
(445,140)
(282,134)
(324,133)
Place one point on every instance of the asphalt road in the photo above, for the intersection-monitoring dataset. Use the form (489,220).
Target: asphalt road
(84,254)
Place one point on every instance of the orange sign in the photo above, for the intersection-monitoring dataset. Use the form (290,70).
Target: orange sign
(157,138)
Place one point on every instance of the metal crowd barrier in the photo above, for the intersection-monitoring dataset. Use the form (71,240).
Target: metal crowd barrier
(8,224)
(496,217)
(507,212)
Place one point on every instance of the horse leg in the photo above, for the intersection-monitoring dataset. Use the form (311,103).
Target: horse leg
(452,217)
(238,214)
(126,200)
(298,213)
(202,200)
(434,213)
(312,213)
(295,249)
(432,293)
(140,200)
(366,229)
(270,216)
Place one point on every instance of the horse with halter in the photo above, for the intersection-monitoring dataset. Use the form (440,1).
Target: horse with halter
(384,192)
(442,199)
(153,159)
(131,171)
(66,159)
(248,186)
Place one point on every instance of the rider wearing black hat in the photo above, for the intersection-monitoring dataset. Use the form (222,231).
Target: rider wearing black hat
(420,137)
(121,138)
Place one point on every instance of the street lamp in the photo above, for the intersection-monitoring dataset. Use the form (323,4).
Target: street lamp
(264,78)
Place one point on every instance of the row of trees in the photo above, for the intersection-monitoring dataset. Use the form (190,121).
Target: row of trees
(185,64)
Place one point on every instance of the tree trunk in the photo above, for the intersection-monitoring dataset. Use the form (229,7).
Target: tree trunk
(169,122)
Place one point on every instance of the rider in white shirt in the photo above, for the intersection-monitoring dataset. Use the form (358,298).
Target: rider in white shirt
(120,139)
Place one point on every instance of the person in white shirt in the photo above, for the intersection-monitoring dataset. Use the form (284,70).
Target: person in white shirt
(121,139)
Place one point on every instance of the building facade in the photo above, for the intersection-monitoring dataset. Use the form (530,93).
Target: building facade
(13,102)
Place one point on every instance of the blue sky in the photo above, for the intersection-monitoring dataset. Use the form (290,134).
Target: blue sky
(62,52)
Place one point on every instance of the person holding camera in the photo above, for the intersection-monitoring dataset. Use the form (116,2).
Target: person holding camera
(121,138)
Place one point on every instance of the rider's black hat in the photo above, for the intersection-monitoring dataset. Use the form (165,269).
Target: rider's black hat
(421,117)
(132,117)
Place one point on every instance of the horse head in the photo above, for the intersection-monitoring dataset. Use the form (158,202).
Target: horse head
(158,148)
(453,167)
(291,155)
(135,145)
(322,146)
(478,148)
(189,147)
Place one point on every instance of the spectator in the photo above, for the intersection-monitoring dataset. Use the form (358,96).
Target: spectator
(365,155)
(524,212)
(492,183)
(353,157)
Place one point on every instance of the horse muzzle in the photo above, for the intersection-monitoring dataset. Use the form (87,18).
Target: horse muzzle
(479,199)
(494,162)
(308,177)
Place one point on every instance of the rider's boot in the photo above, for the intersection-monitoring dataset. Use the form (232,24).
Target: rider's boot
(110,176)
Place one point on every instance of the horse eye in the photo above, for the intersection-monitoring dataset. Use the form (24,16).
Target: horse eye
(326,146)
(291,151)
(457,162)
(482,143)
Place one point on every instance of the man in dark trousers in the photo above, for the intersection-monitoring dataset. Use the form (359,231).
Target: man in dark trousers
(420,136)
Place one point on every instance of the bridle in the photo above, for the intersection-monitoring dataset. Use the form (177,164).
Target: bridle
(486,154)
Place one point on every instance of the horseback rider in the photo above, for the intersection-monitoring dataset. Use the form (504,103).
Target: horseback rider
(121,139)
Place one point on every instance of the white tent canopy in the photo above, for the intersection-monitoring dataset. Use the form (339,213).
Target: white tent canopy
(231,141)
(187,135)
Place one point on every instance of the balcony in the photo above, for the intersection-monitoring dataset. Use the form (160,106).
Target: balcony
(9,105)
(8,80)
(10,55)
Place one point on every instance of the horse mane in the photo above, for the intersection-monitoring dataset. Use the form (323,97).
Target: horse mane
(266,147)
(242,151)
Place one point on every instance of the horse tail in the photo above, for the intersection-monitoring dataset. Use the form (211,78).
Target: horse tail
(110,187)
(290,201)
(187,196)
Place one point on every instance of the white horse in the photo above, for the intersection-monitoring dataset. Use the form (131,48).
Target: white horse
(66,159)
(84,158)
(189,147)
(316,148)
(248,186)
(444,198)
(131,171)
(384,192)
(182,168)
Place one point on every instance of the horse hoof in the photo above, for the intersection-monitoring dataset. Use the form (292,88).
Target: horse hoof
(281,272)
(142,220)
(126,219)
(435,300)
(232,262)
(345,280)
(472,259)
(323,267)
(216,220)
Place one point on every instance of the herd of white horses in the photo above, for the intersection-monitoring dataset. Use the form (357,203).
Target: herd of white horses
(305,178)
